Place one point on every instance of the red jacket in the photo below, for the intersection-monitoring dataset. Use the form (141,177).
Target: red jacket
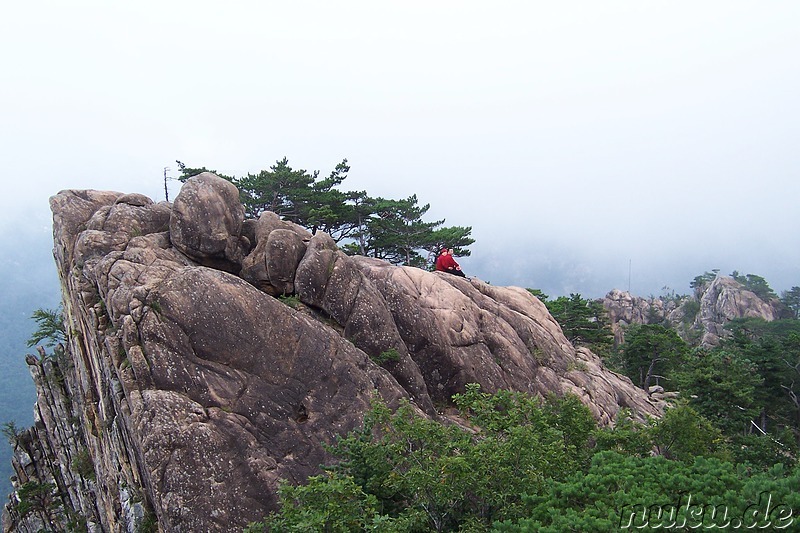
(446,262)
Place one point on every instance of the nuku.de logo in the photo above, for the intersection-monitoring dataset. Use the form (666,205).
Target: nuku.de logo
(686,513)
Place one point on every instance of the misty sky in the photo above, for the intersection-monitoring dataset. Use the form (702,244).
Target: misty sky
(590,145)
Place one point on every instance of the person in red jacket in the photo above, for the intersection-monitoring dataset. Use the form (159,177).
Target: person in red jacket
(446,263)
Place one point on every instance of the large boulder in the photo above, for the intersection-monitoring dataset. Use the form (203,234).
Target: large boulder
(462,331)
(273,261)
(235,392)
(206,222)
(329,280)
(72,209)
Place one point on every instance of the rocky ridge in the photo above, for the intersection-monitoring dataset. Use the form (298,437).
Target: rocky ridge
(699,319)
(208,357)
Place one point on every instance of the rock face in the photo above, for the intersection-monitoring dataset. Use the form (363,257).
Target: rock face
(699,319)
(206,222)
(724,300)
(187,390)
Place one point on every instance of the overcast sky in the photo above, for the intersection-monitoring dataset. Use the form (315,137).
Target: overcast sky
(591,145)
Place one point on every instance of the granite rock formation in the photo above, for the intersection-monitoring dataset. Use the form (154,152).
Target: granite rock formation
(208,357)
(700,318)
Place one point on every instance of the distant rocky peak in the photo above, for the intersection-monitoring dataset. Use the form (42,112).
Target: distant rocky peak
(699,318)
(724,300)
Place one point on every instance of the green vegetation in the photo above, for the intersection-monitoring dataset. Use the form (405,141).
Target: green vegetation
(751,282)
(50,328)
(83,465)
(388,229)
(584,322)
(791,299)
(44,501)
(702,281)
(149,523)
(402,472)
(650,353)
(773,349)
(723,453)
(722,386)
(290,300)
(749,385)
(690,310)
(384,357)
(628,492)
(517,463)
(155,305)
(11,432)
(755,284)
(22,294)
(40,498)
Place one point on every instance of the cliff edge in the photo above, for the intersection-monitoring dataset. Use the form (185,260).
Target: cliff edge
(208,357)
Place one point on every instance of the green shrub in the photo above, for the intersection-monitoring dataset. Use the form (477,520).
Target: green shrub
(83,465)
(404,472)
(384,357)
(290,300)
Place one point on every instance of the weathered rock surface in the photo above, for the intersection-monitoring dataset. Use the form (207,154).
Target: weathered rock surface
(279,247)
(724,300)
(699,319)
(206,222)
(625,309)
(194,391)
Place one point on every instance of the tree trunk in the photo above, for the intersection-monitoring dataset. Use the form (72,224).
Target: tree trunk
(649,376)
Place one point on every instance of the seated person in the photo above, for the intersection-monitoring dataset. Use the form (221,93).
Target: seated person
(446,263)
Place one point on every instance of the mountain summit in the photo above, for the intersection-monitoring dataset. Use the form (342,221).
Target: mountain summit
(208,357)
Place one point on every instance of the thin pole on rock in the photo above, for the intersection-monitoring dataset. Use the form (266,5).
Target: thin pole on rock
(166,190)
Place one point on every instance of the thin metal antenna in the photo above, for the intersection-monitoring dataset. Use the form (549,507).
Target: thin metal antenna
(629,276)
(166,191)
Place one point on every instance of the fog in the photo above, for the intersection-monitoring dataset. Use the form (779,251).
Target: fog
(589,145)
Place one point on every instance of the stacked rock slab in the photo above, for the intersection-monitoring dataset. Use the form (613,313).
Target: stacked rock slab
(195,390)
